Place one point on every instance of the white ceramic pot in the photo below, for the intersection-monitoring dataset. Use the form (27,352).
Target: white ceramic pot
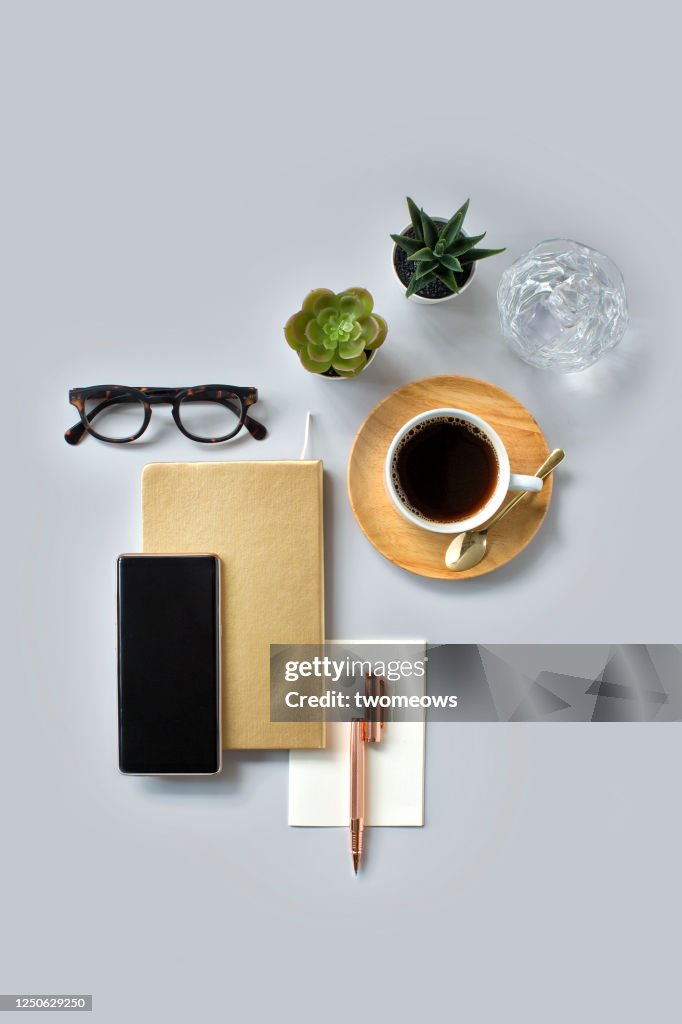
(370,359)
(422,298)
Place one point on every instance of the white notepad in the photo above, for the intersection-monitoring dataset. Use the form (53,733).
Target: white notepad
(319,780)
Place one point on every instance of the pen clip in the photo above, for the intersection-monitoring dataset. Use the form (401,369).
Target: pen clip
(375,687)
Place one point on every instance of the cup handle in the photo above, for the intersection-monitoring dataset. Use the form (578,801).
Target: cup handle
(519,482)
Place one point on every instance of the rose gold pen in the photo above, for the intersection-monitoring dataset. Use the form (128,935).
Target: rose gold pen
(357,789)
(362,731)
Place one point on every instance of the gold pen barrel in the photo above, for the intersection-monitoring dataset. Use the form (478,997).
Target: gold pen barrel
(363,731)
(357,789)
(357,769)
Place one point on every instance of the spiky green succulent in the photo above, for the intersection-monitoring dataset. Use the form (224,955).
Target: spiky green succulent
(439,253)
(336,331)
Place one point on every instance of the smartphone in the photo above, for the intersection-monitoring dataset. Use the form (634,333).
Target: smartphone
(169,664)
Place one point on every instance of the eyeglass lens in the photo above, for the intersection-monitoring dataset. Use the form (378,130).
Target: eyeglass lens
(115,418)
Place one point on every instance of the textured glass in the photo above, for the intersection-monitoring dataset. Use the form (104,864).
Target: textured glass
(562,305)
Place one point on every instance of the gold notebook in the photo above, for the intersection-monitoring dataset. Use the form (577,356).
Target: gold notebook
(264,521)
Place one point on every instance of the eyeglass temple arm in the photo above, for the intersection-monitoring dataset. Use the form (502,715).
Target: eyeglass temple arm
(257,430)
(75,433)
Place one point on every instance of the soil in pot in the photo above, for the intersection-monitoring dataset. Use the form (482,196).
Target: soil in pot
(405,268)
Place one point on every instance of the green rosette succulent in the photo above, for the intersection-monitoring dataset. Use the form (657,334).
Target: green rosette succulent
(335,334)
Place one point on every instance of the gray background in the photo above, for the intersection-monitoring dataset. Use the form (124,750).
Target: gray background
(174,177)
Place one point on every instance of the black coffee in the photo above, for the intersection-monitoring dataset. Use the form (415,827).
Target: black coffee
(445,469)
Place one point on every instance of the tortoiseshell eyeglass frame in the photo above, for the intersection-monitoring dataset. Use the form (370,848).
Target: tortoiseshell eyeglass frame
(238,399)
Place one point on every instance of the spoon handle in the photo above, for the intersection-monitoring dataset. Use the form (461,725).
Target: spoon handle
(547,467)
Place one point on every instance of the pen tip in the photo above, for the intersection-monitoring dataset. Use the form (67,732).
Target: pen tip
(356,863)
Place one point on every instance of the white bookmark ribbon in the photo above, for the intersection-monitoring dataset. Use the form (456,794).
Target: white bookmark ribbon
(306,436)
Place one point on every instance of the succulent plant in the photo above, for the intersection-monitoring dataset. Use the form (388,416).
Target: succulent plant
(334,334)
(439,253)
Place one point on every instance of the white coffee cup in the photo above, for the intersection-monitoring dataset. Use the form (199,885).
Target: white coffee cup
(506,480)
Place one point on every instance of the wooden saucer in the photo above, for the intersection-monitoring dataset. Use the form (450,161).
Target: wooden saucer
(408,546)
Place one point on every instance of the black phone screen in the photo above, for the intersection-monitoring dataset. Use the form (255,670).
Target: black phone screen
(168,664)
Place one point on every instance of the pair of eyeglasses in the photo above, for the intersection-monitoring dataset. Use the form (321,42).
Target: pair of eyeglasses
(209,414)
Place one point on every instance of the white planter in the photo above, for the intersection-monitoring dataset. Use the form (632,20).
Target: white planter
(370,359)
(422,298)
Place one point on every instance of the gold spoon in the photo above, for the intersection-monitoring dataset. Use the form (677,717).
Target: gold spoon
(469,548)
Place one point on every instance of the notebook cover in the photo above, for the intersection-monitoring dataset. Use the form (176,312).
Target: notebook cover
(264,521)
